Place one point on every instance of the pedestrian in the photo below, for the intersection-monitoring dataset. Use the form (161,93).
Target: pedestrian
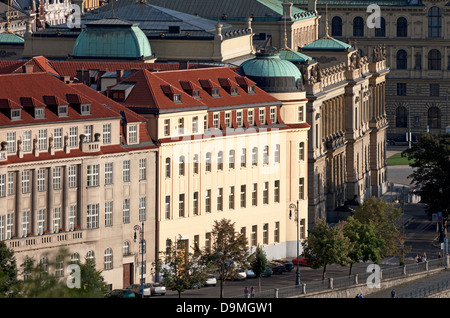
(393,293)
(424,257)
(246,292)
(439,255)
(252,292)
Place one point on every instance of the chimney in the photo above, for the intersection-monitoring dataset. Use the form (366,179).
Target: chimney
(27,68)
(287,11)
(119,75)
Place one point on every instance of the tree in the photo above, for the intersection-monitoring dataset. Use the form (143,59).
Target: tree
(228,251)
(365,242)
(180,269)
(430,158)
(258,264)
(385,218)
(8,272)
(327,245)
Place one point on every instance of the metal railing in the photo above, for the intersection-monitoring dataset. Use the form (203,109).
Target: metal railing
(356,279)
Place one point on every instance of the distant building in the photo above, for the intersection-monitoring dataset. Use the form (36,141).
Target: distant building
(415,37)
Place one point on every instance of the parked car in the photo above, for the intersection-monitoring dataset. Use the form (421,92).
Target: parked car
(277,268)
(210,281)
(401,140)
(136,289)
(288,265)
(250,273)
(241,274)
(268,272)
(304,261)
(157,289)
(121,293)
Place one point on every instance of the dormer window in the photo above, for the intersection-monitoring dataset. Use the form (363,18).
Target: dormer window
(251,89)
(85,109)
(196,93)
(234,91)
(63,110)
(215,92)
(177,98)
(39,113)
(16,114)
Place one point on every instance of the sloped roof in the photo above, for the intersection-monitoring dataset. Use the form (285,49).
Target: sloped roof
(326,44)
(293,56)
(11,39)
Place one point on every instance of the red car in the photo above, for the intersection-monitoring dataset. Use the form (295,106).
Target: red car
(303,261)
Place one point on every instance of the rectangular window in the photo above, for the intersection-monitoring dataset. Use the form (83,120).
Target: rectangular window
(266,233)
(2,227)
(166,127)
(72,217)
(109,213)
(231,198)
(434,90)
(126,211)
(195,124)
(2,185)
(132,134)
(41,180)
(73,137)
(262,116)
(26,181)
(195,204)
(220,199)
(300,114)
(276,232)
(42,139)
(92,216)
(273,115)
(302,229)
(57,178)
(106,134)
(56,219)
(9,225)
(11,141)
(88,133)
(301,151)
(231,159)
(180,126)
(208,162)
(276,191)
(301,188)
(126,170)
(266,155)
(109,173)
(243,196)
(41,221)
(181,204)
(243,157)
(401,89)
(26,142)
(254,156)
(57,138)
(11,177)
(195,161)
(277,154)
(228,119)
(142,209)
(167,207)
(72,176)
(25,223)
(254,237)
(208,201)
(254,194)
(142,169)
(250,117)
(239,118)
(266,193)
(216,120)
(92,175)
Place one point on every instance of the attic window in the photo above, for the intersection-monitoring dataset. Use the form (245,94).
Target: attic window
(16,114)
(196,93)
(215,92)
(85,109)
(39,113)
(251,89)
(177,98)
(63,110)
(234,91)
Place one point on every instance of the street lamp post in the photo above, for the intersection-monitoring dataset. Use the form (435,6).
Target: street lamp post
(291,207)
(141,242)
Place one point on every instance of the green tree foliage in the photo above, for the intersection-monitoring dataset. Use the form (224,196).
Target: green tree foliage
(431,162)
(8,272)
(365,242)
(258,263)
(327,245)
(385,218)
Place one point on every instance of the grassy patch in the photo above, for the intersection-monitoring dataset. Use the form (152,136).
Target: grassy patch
(397,160)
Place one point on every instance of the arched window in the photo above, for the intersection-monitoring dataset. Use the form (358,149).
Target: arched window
(126,248)
(358,26)
(401,117)
(434,22)
(336,26)
(402,27)
(381,31)
(402,60)
(90,256)
(434,60)
(434,117)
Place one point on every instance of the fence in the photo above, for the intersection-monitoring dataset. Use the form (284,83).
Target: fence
(355,279)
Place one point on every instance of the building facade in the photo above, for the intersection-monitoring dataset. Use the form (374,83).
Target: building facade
(226,149)
(415,34)
(76,173)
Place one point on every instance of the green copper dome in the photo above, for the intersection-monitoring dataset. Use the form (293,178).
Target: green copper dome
(112,39)
(272,73)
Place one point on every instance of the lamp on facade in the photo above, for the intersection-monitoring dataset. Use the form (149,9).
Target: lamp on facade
(140,229)
(293,206)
